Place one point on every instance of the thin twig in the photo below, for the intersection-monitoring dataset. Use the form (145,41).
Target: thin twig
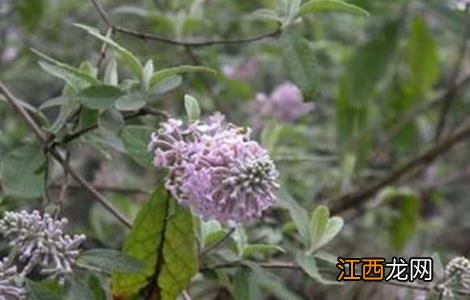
(150,37)
(217,244)
(106,188)
(45,140)
(104,49)
(293,266)
(63,188)
(447,103)
(362,194)
(421,108)
(142,112)
(449,179)
(102,13)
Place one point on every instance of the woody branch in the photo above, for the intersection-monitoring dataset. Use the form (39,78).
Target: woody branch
(46,142)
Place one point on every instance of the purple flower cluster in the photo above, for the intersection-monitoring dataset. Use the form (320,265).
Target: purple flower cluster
(285,103)
(215,168)
(11,283)
(39,241)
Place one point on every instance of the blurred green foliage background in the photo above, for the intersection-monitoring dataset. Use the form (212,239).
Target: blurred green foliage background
(378,85)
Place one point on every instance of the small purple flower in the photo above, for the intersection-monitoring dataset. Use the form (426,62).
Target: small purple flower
(216,169)
(9,55)
(285,103)
(241,71)
(11,283)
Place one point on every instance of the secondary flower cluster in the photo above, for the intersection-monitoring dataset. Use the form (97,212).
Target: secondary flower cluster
(286,103)
(215,168)
(459,269)
(11,285)
(39,241)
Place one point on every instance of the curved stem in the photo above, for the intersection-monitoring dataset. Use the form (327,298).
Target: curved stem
(45,140)
(362,194)
(146,36)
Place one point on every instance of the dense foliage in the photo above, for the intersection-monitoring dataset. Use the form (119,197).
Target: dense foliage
(201,149)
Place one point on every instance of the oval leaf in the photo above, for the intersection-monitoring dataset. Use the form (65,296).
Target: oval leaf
(192,108)
(111,76)
(163,239)
(299,60)
(74,77)
(133,62)
(332,5)
(110,260)
(111,120)
(168,72)
(37,291)
(166,85)
(135,140)
(18,172)
(130,102)
(99,96)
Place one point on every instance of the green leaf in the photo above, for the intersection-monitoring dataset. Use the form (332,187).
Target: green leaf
(265,14)
(240,238)
(31,12)
(298,214)
(192,108)
(403,224)
(78,290)
(318,225)
(111,76)
(213,237)
(163,238)
(104,142)
(168,72)
(88,117)
(293,7)
(18,169)
(130,102)
(37,291)
(136,139)
(211,232)
(299,60)
(438,267)
(74,77)
(133,62)
(270,135)
(147,74)
(422,58)
(88,68)
(263,249)
(323,228)
(166,85)
(271,283)
(68,108)
(330,258)
(57,101)
(365,68)
(309,265)
(332,5)
(99,96)
(242,286)
(96,288)
(110,260)
(111,119)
